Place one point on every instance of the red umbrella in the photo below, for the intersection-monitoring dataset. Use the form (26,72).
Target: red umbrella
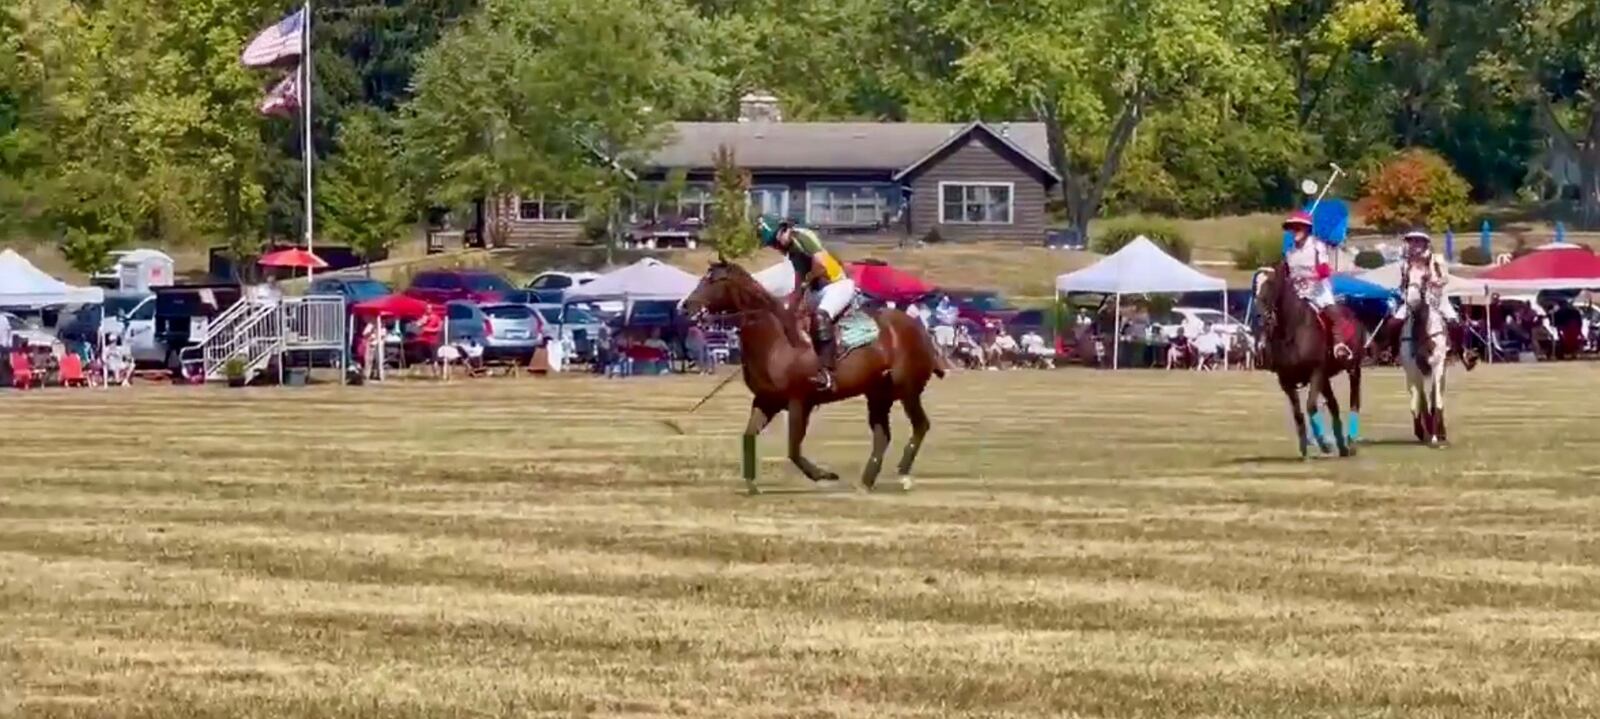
(292,257)
(406,308)
(885,282)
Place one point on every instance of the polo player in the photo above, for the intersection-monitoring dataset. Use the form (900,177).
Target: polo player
(1426,272)
(1312,274)
(818,269)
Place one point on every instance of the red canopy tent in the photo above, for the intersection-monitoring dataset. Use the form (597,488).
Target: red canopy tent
(401,306)
(1553,267)
(887,283)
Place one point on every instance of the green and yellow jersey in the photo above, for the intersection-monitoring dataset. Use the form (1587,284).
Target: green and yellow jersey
(806,251)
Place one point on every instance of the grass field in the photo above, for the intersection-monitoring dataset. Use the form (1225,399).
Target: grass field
(1079,544)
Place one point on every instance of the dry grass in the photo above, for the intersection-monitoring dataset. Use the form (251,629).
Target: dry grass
(1080,544)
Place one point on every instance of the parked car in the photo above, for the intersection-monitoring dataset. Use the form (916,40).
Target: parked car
(444,286)
(573,323)
(1036,320)
(1197,320)
(28,332)
(514,332)
(354,288)
(982,307)
(463,321)
(182,314)
(91,322)
(552,287)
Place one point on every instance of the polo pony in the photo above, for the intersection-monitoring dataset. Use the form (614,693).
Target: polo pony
(1425,353)
(1299,351)
(885,356)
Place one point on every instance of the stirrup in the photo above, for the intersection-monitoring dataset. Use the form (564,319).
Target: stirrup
(1345,348)
(823,380)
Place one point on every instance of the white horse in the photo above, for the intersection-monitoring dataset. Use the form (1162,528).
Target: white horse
(1424,349)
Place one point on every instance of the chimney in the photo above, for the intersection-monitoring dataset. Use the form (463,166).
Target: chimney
(760,106)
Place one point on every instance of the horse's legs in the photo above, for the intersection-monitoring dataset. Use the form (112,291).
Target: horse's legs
(1314,412)
(878,405)
(1339,438)
(799,417)
(1439,432)
(760,417)
(1299,417)
(1355,403)
(912,403)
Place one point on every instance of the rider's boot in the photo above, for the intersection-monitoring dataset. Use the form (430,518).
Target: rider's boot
(823,332)
(1336,328)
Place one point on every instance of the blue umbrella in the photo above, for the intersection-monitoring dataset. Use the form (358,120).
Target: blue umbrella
(1352,287)
(1483,238)
(1449,245)
(1561,231)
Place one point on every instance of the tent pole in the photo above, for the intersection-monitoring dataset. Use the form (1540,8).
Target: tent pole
(1227,344)
(1116,329)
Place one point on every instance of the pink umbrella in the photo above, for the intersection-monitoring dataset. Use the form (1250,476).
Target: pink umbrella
(292,257)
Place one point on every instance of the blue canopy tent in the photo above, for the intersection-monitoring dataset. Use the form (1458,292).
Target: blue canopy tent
(1352,287)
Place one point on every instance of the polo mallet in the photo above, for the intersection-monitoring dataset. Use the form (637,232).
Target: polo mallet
(1337,171)
(677,426)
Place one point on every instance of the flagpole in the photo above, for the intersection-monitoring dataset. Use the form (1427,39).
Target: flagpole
(305,147)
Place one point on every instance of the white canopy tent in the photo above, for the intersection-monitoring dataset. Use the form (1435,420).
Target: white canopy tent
(1388,277)
(23,285)
(1140,267)
(777,279)
(646,280)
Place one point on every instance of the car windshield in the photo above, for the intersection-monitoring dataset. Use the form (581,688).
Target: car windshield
(121,305)
(487,283)
(985,302)
(508,312)
(363,290)
(580,316)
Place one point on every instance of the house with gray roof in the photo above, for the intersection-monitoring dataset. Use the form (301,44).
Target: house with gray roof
(955,181)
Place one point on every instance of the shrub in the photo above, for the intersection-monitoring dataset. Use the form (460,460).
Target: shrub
(1475,256)
(1115,235)
(1259,251)
(1417,187)
(1370,259)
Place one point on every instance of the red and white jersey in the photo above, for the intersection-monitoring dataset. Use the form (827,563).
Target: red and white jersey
(1310,266)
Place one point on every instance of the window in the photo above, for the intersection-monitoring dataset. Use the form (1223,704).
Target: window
(847,205)
(551,282)
(977,203)
(549,209)
(773,200)
(461,313)
(696,203)
(486,283)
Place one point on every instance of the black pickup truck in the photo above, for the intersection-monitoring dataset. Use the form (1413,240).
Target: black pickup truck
(184,311)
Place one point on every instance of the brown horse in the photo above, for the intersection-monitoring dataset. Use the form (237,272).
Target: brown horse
(778,364)
(1299,350)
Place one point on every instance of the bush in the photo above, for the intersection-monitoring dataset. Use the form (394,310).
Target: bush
(1475,256)
(1417,188)
(1259,251)
(1370,259)
(1115,235)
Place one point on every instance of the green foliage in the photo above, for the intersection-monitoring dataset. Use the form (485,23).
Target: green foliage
(1165,235)
(233,369)
(731,231)
(1259,251)
(1369,259)
(1474,256)
(1417,188)
(363,195)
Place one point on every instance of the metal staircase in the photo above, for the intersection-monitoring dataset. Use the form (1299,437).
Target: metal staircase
(256,332)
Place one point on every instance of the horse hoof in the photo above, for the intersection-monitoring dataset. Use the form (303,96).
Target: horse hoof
(906,483)
(1326,448)
(1347,452)
(826,477)
(752,490)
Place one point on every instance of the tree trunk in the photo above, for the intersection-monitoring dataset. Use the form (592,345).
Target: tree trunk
(1083,188)
(1589,166)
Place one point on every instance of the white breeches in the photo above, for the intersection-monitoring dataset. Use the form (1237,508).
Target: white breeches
(834,298)
(1320,296)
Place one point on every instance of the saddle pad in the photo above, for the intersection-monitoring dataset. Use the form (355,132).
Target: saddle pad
(856,328)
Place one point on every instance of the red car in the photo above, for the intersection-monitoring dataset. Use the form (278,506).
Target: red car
(475,286)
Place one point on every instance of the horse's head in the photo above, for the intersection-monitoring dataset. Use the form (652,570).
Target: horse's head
(725,289)
(1269,284)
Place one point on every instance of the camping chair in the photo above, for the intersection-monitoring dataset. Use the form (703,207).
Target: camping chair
(72,371)
(21,371)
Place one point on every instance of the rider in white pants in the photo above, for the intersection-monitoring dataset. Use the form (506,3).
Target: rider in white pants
(1426,272)
(814,267)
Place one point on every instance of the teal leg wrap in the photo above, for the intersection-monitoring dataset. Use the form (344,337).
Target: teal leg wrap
(1355,426)
(1316,428)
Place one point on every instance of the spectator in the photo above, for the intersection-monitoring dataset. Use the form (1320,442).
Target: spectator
(946,314)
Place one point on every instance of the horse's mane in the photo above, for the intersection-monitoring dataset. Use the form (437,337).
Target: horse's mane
(748,295)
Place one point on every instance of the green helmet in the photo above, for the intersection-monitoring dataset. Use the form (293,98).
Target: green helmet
(767,228)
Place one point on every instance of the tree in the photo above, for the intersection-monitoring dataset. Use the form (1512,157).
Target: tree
(1417,187)
(1093,71)
(1548,53)
(550,95)
(731,232)
(363,197)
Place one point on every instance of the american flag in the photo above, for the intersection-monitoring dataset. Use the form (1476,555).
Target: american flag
(277,42)
(284,98)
